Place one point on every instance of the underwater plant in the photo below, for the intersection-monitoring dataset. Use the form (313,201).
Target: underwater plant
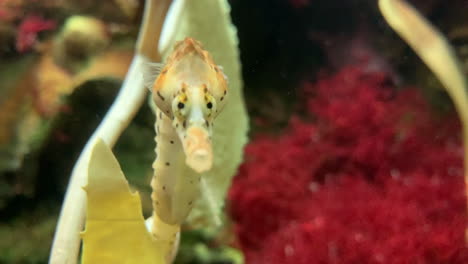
(376,177)
(370,175)
(435,50)
(65,247)
(28,30)
(185,18)
(115,227)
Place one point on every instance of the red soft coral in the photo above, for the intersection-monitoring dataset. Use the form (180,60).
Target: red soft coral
(376,179)
(28,30)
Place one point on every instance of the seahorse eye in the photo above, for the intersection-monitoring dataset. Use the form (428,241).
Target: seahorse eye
(209,105)
(181,106)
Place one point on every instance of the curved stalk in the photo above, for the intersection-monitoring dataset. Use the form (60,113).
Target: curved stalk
(435,50)
(66,244)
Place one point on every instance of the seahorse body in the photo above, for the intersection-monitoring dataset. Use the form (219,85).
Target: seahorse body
(190,91)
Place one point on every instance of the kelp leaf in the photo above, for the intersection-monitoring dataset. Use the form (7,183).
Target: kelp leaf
(115,228)
(209,22)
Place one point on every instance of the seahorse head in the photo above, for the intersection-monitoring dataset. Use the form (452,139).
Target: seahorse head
(192,90)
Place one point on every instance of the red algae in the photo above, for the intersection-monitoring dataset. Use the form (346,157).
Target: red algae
(376,178)
(28,30)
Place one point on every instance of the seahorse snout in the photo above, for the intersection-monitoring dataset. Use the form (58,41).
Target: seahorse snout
(198,150)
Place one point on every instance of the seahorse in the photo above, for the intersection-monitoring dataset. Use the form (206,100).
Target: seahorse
(189,92)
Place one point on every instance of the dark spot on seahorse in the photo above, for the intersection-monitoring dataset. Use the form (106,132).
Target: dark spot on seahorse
(225,92)
(172,141)
(184,124)
(167,111)
(157,202)
(177,125)
(164,71)
(216,68)
(160,115)
(190,203)
(207,123)
(160,96)
(167,164)
(222,98)
(164,187)
(206,88)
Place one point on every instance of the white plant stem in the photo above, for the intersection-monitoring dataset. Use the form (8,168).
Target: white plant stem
(66,244)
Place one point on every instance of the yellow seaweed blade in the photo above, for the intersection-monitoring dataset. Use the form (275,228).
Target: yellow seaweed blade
(115,229)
